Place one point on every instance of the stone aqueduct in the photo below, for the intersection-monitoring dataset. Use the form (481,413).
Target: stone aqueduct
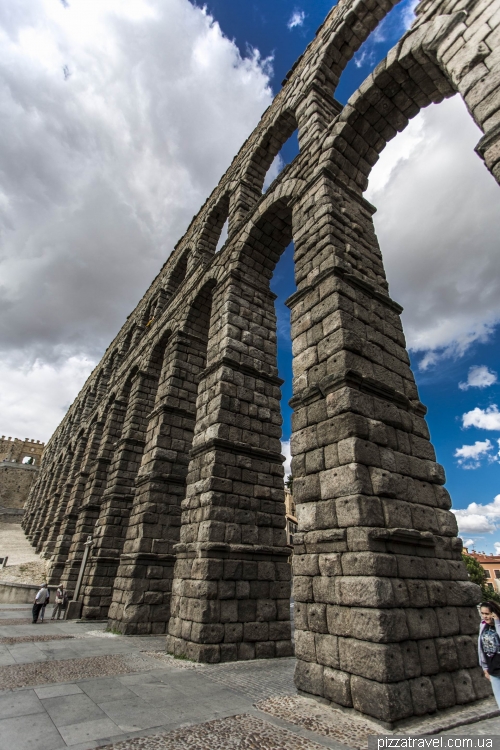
(170,455)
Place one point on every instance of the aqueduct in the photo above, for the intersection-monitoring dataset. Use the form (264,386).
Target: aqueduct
(170,456)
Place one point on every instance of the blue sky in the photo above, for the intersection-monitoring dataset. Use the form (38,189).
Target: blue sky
(281,30)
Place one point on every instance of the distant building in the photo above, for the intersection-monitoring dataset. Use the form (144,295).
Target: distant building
(19,465)
(291,518)
(491,566)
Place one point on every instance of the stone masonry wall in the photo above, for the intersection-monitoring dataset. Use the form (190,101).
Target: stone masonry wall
(170,455)
(15,483)
(14,449)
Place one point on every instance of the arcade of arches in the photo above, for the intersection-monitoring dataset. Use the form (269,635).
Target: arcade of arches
(170,455)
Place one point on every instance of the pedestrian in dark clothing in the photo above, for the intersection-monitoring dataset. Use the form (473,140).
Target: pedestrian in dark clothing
(40,601)
(47,600)
(489,645)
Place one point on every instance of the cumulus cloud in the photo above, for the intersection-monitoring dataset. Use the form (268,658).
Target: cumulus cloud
(479,377)
(497,548)
(118,119)
(285,450)
(438,231)
(484,419)
(479,519)
(35,397)
(296,19)
(469,543)
(469,456)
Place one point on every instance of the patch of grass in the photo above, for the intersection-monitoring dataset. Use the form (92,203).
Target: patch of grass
(181,657)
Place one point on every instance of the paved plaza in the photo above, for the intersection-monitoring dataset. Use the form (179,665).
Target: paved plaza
(71,684)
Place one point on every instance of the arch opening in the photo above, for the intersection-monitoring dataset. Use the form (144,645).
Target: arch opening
(177,276)
(277,148)
(212,230)
(382,37)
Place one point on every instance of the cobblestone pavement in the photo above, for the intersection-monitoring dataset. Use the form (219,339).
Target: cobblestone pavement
(243,732)
(309,714)
(85,688)
(64,670)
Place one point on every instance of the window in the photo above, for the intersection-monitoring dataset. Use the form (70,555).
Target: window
(28,460)
(487,573)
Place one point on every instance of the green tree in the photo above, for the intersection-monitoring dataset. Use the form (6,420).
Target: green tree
(477,575)
(289,483)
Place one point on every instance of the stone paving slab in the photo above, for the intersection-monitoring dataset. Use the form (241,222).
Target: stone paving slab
(15,608)
(12,640)
(40,734)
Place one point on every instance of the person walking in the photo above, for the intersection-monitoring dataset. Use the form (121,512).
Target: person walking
(489,645)
(40,601)
(61,602)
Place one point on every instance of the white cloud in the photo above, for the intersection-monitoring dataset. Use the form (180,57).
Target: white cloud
(438,231)
(469,456)
(484,419)
(285,450)
(497,548)
(296,19)
(469,543)
(479,519)
(409,13)
(479,377)
(364,57)
(102,170)
(34,398)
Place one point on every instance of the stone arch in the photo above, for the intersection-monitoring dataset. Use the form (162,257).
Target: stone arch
(249,189)
(102,381)
(269,147)
(211,229)
(176,276)
(416,73)
(197,319)
(88,403)
(358,21)
(270,231)
(149,311)
(127,341)
(154,358)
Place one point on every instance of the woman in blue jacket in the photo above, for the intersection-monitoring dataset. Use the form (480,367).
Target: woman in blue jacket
(489,645)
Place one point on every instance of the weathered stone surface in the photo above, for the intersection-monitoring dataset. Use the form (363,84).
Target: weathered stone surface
(170,457)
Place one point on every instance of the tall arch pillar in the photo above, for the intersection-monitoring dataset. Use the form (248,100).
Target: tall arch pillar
(65,496)
(143,585)
(70,519)
(112,523)
(98,469)
(385,615)
(231,587)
